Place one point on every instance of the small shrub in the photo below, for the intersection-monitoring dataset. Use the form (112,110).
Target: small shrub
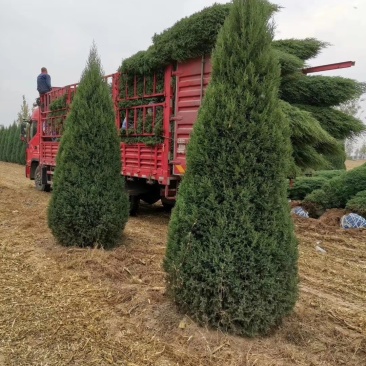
(305,185)
(357,204)
(328,174)
(339,190)
(315,203)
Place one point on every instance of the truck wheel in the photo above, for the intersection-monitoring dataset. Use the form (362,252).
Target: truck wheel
(134,205)
(38,181)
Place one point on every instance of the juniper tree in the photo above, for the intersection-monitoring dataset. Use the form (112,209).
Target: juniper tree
(231,258)
(23,114)
(15,139)
(2,140)
(4,143)
(10,143)
(89,204)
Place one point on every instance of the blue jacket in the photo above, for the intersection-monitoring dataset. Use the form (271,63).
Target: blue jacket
(43,83)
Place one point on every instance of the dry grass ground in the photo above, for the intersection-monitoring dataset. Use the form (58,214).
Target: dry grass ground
(64,306)
(351,164)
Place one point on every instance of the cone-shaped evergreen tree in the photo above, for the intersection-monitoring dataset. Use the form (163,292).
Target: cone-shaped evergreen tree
(10,143)
(231,258)
(4,143)
(89,204)
(14,144)
(2,139)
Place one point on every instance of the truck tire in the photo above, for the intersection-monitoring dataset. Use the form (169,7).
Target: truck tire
(38,181)
(134,205)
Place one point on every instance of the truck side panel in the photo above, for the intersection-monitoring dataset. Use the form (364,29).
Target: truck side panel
(49,153)
(193,77)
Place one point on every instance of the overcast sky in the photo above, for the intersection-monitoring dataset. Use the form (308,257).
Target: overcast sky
(58,35)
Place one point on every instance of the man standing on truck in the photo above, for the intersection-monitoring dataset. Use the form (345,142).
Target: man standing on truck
(43,86)
(43,82)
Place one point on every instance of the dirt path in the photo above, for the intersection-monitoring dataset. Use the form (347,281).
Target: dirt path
(62,306)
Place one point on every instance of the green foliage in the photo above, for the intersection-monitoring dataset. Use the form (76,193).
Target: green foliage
(304,49)
(59,103)
(2,141)
(339,190)
(8,144)
(189,38)
(328,174)
(231,257)
(305,185)
(199,31)
(315,203)
(132,85)
(349,183)
(323,91)
(3,137)
(317,196)
(136,135)
(306,130)
(15,137)
(337,160)
(308,139)
(340,125)
(307,156)
(24,113)
(12,148)
(89,204)
(357,204)
(289,63)
(59,110)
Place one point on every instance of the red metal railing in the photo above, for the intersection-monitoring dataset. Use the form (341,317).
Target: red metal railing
(339,65)
(139,159)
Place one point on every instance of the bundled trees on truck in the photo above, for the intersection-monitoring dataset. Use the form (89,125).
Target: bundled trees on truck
(318,129)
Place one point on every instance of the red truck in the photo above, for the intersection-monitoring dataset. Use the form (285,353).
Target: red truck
(155,122)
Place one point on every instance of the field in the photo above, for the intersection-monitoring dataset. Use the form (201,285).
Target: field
(67,306)
(350,164)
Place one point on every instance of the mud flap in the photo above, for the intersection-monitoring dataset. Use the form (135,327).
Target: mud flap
(44,175)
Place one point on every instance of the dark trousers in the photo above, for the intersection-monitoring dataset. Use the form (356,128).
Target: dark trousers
(40,101)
